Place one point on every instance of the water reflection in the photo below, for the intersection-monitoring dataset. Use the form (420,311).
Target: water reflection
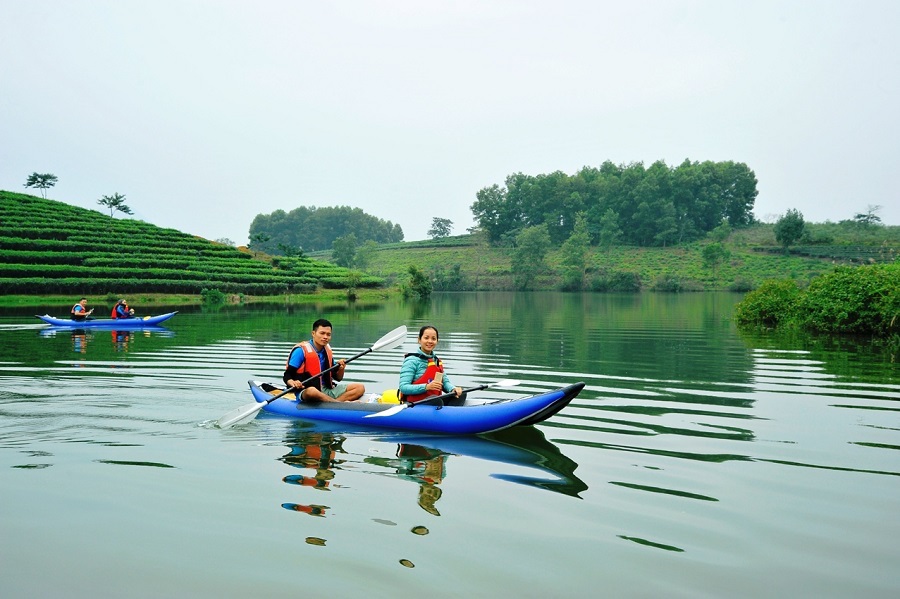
(121,338)
(317,452)
(424,461)
(420,464)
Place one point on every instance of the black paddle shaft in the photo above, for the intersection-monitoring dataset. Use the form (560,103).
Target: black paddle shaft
(312,378)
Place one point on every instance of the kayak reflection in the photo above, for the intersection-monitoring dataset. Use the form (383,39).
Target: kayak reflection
(121,337)
(520,446)
(424,459)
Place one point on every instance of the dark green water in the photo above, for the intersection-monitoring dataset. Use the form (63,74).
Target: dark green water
(696,462)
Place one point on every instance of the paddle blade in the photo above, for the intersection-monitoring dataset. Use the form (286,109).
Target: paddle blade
(389,411)
(239,415)
(391,339)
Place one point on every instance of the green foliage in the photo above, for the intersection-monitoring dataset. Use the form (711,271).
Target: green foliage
(316,229)
(418,285)
(848,300)
(863,299)
(774,303)
(869,218)
(671,283)
(364,254)
(41,181)
(115,202)
(789,228)
(573,255)
(655,206)
(448,279)
(741,285)
(610,232)
(720,233)
(343,250)
(617,281)
(212,297)
(49,247)
(440,228)
(532,245)
(714,255)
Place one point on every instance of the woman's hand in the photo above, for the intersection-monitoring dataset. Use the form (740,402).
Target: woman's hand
(458,391)
(434,386)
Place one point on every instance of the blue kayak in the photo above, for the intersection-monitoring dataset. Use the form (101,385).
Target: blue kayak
(108,323)
(468,418)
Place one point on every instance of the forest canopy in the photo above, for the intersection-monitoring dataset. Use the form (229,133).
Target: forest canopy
(655,206)
(312,229)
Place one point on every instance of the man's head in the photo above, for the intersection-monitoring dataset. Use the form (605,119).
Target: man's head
(321,332)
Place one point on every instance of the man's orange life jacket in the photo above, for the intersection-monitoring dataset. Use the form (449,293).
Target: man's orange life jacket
(311,366)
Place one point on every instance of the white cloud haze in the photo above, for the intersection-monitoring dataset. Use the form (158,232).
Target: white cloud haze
(204,113)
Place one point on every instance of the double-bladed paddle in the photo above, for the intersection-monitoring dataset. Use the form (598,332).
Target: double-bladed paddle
(389,341)
(437,398)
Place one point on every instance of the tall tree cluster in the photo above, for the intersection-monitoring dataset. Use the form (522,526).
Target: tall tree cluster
(647,206)
(314,229)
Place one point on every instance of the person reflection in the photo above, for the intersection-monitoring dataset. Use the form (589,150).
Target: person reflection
(426,466)
(317,452)
(79,341)
(120,340)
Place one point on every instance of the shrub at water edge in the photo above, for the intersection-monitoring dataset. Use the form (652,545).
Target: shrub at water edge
(848,300)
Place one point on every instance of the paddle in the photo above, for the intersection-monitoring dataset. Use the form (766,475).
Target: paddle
(437,398)
(390,340)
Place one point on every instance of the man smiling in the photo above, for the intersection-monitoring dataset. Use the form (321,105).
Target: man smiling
(311,359)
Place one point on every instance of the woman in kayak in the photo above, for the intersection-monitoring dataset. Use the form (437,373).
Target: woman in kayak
(422,374)
(121,310)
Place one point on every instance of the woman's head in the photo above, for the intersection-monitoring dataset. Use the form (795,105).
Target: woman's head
(428,337)
(427,327)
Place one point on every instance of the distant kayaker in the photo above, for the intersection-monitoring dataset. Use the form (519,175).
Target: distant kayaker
(422,374)
(121,310)
(310,358)
(79,311)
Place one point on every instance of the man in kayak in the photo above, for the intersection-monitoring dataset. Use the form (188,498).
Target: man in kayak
(309,359)
(79,311)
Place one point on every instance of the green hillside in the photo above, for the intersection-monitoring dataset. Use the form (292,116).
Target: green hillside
(468,262)
(52,248)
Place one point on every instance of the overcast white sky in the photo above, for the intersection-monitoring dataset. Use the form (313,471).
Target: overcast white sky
(205,113)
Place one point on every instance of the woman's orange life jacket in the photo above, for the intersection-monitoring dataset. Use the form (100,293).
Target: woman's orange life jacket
(311,366)
(116,307)
(434,366)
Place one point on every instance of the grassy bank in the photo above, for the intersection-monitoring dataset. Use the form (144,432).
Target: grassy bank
(145,301)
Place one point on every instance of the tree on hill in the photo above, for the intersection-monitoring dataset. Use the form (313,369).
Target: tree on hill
(532,245)
(364,254)
(573,254)
(869,218)
(610,233)
(789,228)
(316,229)
(714,255)
(419,285)
(41,181)
(440,228)
(115,202)
(343,251)
(657,206)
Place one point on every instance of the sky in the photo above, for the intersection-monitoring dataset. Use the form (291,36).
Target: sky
(205,113)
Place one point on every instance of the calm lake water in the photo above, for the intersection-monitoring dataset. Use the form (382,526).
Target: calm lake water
(697,462)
